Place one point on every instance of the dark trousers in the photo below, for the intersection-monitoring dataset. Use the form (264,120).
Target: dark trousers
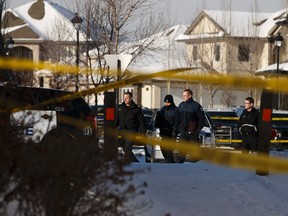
(129,156)
(167,153)
(127,146)
(249,143)
(187,137)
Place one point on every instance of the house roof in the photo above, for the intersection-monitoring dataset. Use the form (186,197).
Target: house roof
(271,70)
(235,24)
(166,53)
(238,23)
(41,20)
(270,24)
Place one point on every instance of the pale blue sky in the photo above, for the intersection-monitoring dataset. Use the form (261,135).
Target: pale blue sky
(184,11)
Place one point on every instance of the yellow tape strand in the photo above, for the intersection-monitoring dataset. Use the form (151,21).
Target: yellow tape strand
(260,162)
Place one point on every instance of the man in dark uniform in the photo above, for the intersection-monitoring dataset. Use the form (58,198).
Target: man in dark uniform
(192,118)
(248,126)
(167,120)
(130,118)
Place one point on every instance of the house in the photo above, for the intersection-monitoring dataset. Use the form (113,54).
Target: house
(229,43)
(42,31)
(206,46)
(217,42)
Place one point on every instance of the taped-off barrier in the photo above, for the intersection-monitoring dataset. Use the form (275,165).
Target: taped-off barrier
(245,161)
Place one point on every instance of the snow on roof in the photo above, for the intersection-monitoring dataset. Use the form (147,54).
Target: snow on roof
(55,23)
(242,23)
(166,52)
(272,70)
(270,22)
(238,23)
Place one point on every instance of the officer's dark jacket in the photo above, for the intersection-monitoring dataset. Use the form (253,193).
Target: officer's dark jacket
(191,111)
(250,119)
(130,118)
(167,119)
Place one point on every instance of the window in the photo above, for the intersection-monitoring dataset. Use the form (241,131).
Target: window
(243,53)
(41,81)
(195,53)
(217,52)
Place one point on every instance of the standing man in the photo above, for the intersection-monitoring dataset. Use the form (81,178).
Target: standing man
(167,120)
(248,126)
(192,118)
(130,118)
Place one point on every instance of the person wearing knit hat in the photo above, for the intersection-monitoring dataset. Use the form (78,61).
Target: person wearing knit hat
(168,99)
(167,120)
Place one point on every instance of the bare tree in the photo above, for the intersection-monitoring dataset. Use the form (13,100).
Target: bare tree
(3,23)
(238,51)
(228,98)
(110,26)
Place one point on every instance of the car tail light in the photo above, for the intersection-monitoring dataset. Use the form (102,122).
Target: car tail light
(274,134)
(93,121)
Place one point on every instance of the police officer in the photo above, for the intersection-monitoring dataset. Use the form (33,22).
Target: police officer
(130,118)
(248,126)
(167,120)
(192,118)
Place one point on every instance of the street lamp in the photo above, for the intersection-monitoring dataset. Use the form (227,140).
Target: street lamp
(278,42)
(9,45)
(77,20)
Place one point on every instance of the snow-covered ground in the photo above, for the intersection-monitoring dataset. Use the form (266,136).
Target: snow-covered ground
(205,189)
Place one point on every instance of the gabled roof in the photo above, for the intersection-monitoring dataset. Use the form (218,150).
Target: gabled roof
(232,23)
(41,20)
(199,18)
(270,24)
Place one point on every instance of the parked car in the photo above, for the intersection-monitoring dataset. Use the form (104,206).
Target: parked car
(41,114)
(207,134)
(279,135)
(148,118)
(99,111)
(226,130)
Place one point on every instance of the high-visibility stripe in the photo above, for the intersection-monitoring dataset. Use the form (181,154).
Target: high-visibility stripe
(239,141)
(227,141)
(279,119)
(237,118)
(224,118)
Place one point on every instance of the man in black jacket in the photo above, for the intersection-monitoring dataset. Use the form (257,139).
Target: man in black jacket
(248,126)
(167,120)
(192,118)
(130,118)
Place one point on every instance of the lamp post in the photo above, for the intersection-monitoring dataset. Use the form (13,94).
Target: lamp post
(9,45)
(6,75)
(278,42)
(77,20)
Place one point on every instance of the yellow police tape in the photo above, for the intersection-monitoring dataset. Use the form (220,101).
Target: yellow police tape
(237,118)
(259,162)
(239,141)
(186,75)
(224,118)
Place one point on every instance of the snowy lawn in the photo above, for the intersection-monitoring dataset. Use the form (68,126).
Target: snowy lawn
(205,189)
